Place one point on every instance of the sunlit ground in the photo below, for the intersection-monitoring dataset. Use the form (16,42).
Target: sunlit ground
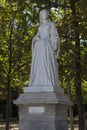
(14,126)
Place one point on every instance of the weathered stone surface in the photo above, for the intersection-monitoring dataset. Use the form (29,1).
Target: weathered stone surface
(42,97)
(43,89)
(51,111)
(53,118)
(45,50)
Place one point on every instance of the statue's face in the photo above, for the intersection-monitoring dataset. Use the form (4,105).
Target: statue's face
(44,14)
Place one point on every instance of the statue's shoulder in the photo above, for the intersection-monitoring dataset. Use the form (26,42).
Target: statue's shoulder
(52,24)
(53,27)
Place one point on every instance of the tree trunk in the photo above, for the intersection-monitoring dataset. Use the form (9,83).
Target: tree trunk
(9,99)
(70,107)
(8,104)
(79,97)
(78,84)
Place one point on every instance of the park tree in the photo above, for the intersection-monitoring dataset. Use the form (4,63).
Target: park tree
(15,47)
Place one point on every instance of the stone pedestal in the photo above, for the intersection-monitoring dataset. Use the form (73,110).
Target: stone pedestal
(43,110)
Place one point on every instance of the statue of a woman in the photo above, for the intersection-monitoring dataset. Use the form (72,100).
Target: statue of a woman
(45,50)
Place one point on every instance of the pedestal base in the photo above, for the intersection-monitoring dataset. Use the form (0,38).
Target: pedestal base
(43,111)
(53,118)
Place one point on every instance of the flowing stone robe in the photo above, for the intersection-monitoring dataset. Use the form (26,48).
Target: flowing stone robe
(44,71)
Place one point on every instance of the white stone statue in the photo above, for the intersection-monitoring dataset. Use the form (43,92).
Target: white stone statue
(45,50)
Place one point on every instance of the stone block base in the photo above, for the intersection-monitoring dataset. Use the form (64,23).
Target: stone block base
(49,118)
(43,111)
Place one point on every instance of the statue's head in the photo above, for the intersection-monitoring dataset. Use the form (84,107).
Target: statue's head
(44,14)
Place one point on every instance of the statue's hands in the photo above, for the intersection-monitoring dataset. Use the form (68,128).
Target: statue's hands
(56,53)
(35,39)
